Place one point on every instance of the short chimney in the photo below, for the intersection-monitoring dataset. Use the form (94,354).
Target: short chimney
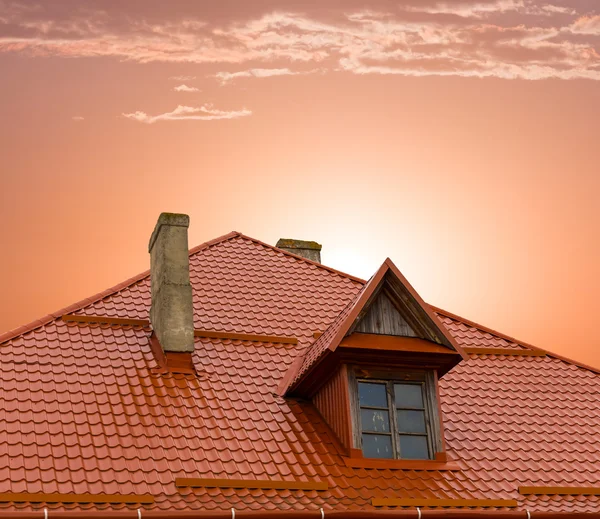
(172,312)
(307,249)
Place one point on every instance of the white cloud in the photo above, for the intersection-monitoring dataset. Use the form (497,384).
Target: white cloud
(588,25)
(77,118)
(182,78)
(557,9)
(225,77)
(470,9)
(188,113)
(496,70)
(185,88)
(487,9)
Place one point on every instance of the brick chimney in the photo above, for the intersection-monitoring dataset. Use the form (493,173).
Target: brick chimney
(307,249)
(171,313)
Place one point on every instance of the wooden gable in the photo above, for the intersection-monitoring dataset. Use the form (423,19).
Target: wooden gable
(394,308)
(383,318)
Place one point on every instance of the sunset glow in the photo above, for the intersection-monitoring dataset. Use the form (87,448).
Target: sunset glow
(460,139)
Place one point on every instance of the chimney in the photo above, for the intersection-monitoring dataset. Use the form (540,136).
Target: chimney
(171,313)
(307,249)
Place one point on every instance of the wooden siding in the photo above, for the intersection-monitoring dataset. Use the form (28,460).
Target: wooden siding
(332,401)
(383,318)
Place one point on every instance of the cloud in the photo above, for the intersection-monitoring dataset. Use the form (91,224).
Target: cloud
(487,9)
(492,70)
(188,113)
(185,88)
(557,9)
(469,9)
(509,39)
(182,78)
(77,118)
(225,77)
(587,25)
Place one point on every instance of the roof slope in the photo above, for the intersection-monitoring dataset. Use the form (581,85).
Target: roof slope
(242,285)
(83,411)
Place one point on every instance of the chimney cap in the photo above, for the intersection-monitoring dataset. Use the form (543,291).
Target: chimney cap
(174,219)
(310,250)
(287,243)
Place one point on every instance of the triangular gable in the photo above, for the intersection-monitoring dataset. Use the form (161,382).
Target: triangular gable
(408,314)
(417,315)
(384,318)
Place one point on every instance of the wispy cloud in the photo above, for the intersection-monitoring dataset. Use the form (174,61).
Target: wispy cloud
(77,118)
(510,39)
(487,9)
(182,78)
(502,71)
(587,25)
(469,9)
(185,88)
(557,9)
(226,77)
(188,113)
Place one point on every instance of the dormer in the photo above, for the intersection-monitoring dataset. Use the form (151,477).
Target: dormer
(373,373)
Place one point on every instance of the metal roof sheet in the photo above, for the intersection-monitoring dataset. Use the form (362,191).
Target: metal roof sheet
(83,410)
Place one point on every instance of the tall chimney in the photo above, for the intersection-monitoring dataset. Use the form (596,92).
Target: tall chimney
(307,249)
(172,312)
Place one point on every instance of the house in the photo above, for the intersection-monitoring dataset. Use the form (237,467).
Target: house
(242,378)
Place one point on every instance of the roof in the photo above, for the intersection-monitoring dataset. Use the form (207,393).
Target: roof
(83,410)
(336,331)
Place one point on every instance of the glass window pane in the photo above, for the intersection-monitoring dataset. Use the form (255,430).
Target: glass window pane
(375,420)
(411,421)
(408,395)
(413,447)
(377,446)
(372,395)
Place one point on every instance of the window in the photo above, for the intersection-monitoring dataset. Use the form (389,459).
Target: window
(395,417)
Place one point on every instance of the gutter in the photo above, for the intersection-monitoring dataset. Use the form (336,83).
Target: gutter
(280,514)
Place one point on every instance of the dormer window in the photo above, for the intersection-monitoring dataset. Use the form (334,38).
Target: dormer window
(396,414)
(372,375)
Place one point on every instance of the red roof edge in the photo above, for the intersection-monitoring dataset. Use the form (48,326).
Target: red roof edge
(289,376)
(306,260)
(38,323)
(300,514)
(513,339)
(357,306)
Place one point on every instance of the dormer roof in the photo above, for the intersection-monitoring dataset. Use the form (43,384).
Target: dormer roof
(409,309)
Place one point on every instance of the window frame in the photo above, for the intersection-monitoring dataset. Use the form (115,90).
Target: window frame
(428,381)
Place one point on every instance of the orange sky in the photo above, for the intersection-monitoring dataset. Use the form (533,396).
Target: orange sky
(459,139)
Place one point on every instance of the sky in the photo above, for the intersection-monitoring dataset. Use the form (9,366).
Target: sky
(460,139)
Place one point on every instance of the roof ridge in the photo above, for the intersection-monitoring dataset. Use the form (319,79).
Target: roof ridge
(87,301)
(306,260)
(513,339)
(214,241)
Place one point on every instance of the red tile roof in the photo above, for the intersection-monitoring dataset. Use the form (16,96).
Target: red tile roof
(82,409)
